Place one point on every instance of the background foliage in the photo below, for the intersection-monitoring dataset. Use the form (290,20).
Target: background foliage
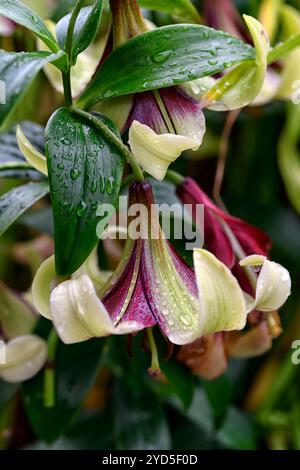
(254,405)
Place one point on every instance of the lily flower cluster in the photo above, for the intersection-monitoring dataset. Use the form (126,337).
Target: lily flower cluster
(232,283)
(152,285)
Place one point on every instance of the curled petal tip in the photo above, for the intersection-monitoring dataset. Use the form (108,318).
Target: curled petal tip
(273,283)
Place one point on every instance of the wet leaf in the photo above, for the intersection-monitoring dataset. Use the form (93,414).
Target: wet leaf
(85,171)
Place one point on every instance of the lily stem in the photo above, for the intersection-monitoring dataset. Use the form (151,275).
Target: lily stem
(49,373)
(176,178)
(68,50)
(223,151)
(115,140)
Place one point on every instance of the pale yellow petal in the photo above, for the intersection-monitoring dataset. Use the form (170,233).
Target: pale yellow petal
(273,283)
(222,303)
(32,155)
(156,152)
(25,356)
(42,286)
(78,314)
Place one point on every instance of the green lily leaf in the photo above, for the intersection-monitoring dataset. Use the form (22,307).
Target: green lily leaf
(12,161)
(140,422)
(14,203)
(86,28)
(183,9)
(17,71)
(21,14)
(85,170)
(164,57)
(75,370)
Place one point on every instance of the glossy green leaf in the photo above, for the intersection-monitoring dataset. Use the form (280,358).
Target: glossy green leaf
(183,9)
(14,203)
(17,71)
(21,14)
(85,171)
(12,161)
(164,57)
(75,370)
(140,422)
(85,30)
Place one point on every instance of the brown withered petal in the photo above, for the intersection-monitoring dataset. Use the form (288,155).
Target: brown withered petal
(206,357)
(255,342)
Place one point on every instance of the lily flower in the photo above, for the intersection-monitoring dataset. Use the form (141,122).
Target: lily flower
(220,226)
(230,238)
(151,285)
(22,354)
(163,123)
(279,81)
(241,85)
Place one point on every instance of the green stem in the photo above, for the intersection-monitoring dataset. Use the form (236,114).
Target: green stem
(283,48)
(49,373)
(139,176)
(176,178)
(67,88)
(68,50)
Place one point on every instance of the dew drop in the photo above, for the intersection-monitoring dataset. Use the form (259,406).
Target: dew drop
(65,141)
(161,56)
(74,173)
(94,186)
(81,209)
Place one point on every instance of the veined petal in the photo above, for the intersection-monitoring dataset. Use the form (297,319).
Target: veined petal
(145,110)
(222,303)
(32,155)
(25,356)
(273,283)
(78,314)
(156,152)
(42,286)
(185,113)
(171,292)
(240,86)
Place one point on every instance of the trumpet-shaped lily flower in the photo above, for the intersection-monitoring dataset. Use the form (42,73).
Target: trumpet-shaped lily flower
(163,125)
(219,226)
(151,285)
(22,354)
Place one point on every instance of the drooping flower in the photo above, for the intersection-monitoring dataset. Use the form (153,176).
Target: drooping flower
(231,239)
(241,85)
(275,17)
(218,227)
(151,285)
(163,123)
(22,354)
